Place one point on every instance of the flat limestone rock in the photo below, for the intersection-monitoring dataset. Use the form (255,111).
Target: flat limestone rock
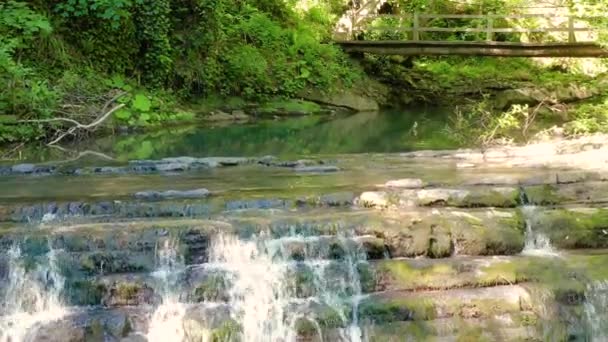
(172,194)
(406,183)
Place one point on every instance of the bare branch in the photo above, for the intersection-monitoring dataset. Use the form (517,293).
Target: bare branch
(101,119)
(50,120)
(110,101)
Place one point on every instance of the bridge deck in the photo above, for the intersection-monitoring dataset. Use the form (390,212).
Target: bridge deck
(474,48)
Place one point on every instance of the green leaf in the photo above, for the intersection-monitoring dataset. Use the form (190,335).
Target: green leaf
(123,114)
(305,73)
(141,103)
(144,117)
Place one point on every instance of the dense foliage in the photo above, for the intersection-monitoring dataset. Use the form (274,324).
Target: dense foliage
(57,54)
(156,58)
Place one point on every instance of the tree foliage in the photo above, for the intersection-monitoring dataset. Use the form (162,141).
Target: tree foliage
(174,49)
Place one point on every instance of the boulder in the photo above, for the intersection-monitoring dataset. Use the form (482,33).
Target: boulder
(23,168)
(503,197)
(373,199)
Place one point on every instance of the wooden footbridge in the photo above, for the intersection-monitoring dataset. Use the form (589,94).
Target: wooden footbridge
(486,35)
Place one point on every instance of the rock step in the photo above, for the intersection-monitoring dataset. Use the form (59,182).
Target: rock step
(564,279)
(507,328)
(434,233)
(158,204)
(194,202)
(506,304)
(165,165)
(506,196)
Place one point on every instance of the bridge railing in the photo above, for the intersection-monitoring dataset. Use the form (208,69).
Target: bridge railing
(413,23)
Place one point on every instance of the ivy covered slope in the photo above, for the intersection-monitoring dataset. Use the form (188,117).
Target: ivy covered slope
(77,59)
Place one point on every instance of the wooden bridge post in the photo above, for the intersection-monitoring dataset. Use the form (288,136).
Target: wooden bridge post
(571,34)
(415,29)
(489,28)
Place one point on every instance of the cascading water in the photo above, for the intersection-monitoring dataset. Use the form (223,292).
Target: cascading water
(263,296)
(166,323)
(30,298)
(596,311)
(347,288)
(258,294)
(261,293)
(536,242)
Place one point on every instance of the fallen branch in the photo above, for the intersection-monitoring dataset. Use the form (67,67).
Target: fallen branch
(88,126)
(78,125)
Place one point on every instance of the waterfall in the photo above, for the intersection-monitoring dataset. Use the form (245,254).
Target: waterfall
(30,298)
(536,242)
(596,311)
(334,292)
(262,293)
(166,323)
(259,293)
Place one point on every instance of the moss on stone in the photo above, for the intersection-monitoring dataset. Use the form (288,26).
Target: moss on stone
(214,288)
(228,331)
(574,229)
(289,107)
(84,292)
(493,197)
(545,194)
(409,278)
(367,277)
(127,292)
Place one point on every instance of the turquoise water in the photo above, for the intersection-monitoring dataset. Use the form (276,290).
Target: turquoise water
(388,131)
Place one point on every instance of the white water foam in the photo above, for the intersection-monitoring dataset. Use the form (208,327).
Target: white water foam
(596,311)
(261,295)
(536,243)
(30,298)
(258,294)
(166,323)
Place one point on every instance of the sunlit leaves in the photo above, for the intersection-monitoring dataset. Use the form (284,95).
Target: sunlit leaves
(141,103)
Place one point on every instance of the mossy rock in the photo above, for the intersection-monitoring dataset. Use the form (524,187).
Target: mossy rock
(228,331)
(449,231)
(84,292)
(289,107)
(491,197)
(570,229)
(128,293)
(214,289)
(544,195)
(475,197)
(496,233)
(114,262)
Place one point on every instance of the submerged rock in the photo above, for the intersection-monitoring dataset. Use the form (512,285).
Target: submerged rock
(316,169)
(406,183)
(172,194)
(338,199)
(258,204)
